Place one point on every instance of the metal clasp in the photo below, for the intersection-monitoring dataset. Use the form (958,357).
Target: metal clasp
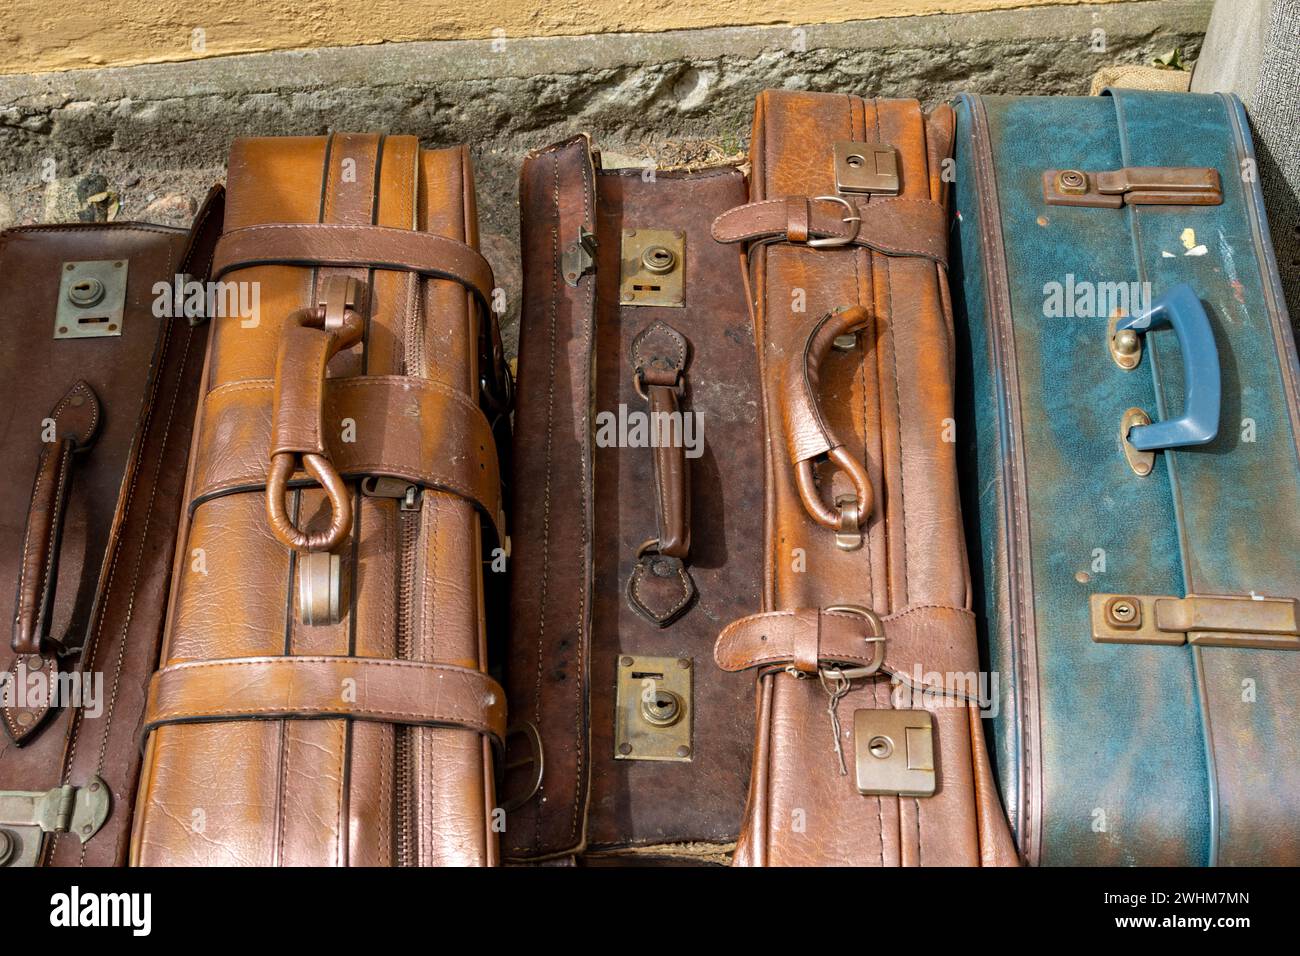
(894,752)
(27,815)
(578,257)
(1203,619)
(866,168)
(1133,185)
(851,216)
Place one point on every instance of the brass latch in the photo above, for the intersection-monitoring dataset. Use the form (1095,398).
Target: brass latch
(92,299)
(1134,185)
(1204,619)
(894,752)
(866,168)
(25,816)
(653,268)
(652,708)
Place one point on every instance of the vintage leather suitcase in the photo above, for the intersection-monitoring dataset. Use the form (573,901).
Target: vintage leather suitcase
(100,376)
(323,697)
(868,746)
(627,744)
(1140,579)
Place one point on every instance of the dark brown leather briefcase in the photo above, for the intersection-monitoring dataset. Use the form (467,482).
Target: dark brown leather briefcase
(638,501)
(869,749)
(99,374)
(322,697)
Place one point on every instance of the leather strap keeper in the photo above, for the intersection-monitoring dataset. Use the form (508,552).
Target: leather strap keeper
(409,428)
(304,687)
(922,643)
(367,247)
(895,227)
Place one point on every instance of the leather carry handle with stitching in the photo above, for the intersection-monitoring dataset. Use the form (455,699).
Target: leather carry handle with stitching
(76,419)
(309,340)
(661,588)
(808,434)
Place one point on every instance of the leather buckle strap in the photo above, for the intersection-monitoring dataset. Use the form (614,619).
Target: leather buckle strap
(356,246)
(415,693)
(929,647)
(889,225)
(414,429)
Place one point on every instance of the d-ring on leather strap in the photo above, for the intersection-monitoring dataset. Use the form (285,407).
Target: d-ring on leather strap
(309,340)
(809,436)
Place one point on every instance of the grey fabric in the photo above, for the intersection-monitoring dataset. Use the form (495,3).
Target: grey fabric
(1233,48)
(1274,112)
(1252,48)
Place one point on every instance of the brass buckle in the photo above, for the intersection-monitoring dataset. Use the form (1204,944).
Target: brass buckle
(875,637)
(535,759)
(852,216)
(26,816)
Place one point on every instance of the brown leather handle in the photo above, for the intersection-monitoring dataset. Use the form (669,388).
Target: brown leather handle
(659,355)
(809,435)
(75,420)
(310,339)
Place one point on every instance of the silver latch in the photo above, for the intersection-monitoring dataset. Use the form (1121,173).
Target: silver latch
(26,816)
(579,256)
(92,299)
(895,752)
(866,168)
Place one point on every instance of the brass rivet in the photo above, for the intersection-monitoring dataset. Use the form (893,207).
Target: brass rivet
(625,661)
(625,749)
(683,662)
(1127,342)
(683,751)
(1083,577)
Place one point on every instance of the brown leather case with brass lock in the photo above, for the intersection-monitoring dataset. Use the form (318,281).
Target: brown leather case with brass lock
(869,749)
(626,743)
(322,697)
(99,391)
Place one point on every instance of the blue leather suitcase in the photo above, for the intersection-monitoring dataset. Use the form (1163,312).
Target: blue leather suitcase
(1133,477)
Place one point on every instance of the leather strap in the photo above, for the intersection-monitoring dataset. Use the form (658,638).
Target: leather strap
(808,434)
(362,246)
(418,693)
(405,427)
(895,227)
(930,647)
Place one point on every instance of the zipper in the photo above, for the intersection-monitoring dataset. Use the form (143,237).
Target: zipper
(404,736)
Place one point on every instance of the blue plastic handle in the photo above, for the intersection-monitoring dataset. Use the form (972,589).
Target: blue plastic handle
(1180,309)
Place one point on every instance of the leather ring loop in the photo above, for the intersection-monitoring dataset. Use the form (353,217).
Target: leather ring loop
(822,513)
(323,470)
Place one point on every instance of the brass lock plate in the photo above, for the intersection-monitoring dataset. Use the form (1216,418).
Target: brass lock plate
(866,168)
(652,270)
(653,708)
(1211,620)
(92,299)
(894,752)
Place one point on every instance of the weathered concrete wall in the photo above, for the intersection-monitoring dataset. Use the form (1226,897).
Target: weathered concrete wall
(155,136)
(40,35)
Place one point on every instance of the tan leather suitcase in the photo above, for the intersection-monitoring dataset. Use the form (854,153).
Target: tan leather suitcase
(100,376)
(868,749)
(630,550)
(323,697)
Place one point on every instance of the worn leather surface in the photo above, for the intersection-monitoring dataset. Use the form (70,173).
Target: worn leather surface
(1111,753)
(115,547)
(584,509)
(886,400)
(331,791)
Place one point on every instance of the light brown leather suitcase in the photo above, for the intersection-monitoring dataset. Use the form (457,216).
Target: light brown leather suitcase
(100,374)
(323,697)
(868,749)
(630,550)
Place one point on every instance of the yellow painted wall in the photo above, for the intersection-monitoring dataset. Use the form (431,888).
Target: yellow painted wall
(43,35)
